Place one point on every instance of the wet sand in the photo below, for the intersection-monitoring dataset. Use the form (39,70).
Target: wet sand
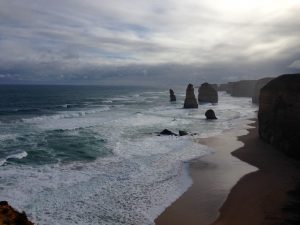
(252,199)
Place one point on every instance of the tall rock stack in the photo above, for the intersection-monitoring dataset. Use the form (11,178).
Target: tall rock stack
(207,94)
(279,113)
(172,96)
(259,85)
(190,98)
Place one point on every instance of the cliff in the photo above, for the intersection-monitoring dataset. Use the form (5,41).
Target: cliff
(243,88)
(259,85)
(279,113)
(9,216)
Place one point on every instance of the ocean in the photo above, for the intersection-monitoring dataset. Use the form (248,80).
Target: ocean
(91,154)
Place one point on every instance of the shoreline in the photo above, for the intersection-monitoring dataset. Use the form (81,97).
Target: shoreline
(213,177)
(245,182)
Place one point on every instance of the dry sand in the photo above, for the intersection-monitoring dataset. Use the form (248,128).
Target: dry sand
(256,198)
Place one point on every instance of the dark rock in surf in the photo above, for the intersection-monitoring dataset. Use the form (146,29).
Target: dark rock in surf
(167,132)
(172,96)
(182,133)
(210,115)
(207,94)
(190,98)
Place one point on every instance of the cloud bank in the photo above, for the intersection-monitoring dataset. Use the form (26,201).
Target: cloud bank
(139,41)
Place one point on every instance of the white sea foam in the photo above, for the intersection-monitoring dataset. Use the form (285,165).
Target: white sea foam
(144,175)
(20,155)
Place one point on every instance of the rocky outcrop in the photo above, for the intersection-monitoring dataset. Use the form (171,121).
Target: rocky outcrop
(172,96)
(207,94)
(190,98)
(259,84)
(279,113)
(167,132)
(243,88)
(210,115)
(224,87)
(215,86)
(182,133)
(9,216)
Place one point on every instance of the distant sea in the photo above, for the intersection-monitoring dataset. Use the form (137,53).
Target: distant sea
(90,154)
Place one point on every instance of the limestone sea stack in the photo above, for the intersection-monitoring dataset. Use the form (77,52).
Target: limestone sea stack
(279,113)
(9,216)
(259,84)
(172,96)
(207,94)
(190,98)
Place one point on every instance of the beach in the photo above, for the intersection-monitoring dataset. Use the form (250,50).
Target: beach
(244,182)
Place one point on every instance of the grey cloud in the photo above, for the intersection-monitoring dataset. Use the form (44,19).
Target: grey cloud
(117,41)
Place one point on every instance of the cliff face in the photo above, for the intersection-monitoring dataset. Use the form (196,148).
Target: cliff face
(259,84)
(207,93)
(9,216)
(243,88)
(190,98)
(279,113)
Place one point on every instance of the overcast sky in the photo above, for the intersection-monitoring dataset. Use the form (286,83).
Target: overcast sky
(147,41)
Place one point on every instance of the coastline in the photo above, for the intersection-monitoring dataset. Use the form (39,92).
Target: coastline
(244,182)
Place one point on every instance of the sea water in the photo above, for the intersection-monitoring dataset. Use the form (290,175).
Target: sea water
(91,154)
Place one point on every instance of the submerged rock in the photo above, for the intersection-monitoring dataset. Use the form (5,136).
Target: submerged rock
(190,98)
(167,132)
(172,96)
(279,113)
(182,133)
(9,216)
(210,115)
(207,94)
(259,85)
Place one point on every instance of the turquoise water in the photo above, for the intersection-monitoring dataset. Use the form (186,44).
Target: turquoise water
(91,155)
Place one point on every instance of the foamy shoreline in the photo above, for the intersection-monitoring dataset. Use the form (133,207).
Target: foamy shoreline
(213,177)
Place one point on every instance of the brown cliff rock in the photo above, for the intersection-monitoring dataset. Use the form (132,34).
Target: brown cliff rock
(172,96)
(259,85)
(190,98)
(9,216)
(279,113)
(206,93)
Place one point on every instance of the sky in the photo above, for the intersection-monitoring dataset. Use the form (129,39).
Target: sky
(133,42)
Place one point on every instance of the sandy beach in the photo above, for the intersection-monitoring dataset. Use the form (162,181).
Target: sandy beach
(244,182)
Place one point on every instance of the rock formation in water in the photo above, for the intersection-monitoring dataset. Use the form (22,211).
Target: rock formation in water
(279,113)
(167,132)
(172,96)
(206,93)
(190,98)
(9,216)
(182,133)
(215,86)
(259,84)
(210,115)
(243,88)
